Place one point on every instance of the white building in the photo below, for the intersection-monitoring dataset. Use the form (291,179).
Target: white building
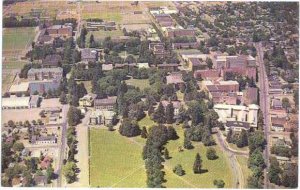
(237,113)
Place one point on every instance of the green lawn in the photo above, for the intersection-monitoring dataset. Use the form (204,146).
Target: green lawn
(243,161)
(146,121)
(101,34)
(115,160)
(16,39)
(217,169)
(141,83)
(105,15)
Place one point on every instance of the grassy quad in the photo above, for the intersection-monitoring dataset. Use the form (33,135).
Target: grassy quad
(217,169)
(243,162)
(115,161)
(140,83)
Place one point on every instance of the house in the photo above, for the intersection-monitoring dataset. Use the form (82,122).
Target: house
(65,30)
(107,67)
(175,79)
(53,60)
(105,103)
(276,104)
(176,105)
(278,124)
(187,45)
(209,74)
(45,73)
(40,180)
(87,100)
(170,67)
(51,139)
(237,113)
(101,117)
(89,55)
(158,49)
(196,64)
(46,162)
(237,126)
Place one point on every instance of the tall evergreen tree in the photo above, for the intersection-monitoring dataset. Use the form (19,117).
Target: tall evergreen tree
(144,133)
(172,134)
(159,114)
(187,144)
(170,113)
(243,139)
(166,154)
(197,167)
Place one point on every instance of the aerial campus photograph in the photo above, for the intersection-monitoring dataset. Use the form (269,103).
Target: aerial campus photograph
(150,94)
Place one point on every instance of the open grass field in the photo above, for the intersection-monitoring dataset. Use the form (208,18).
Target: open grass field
(216,168)
(15,40)
(243,161)
(146,121)
(48,8)
(116,161)
(101,34)
(234,147)
(141,83)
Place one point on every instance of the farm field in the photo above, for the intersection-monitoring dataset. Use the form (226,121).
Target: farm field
(140,83)
(15,40)
(116,161)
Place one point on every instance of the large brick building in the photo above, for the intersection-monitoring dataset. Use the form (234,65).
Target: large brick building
(60,30)
(45,73)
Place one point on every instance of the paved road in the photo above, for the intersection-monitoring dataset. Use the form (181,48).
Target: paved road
(264,105)
(62,153)
(237,171)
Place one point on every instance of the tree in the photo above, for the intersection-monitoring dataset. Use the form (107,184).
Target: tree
(63,98)
(229,136)
(49,174)
(256,140)
(170,113)
(209,63)
(69,171)
(274,171)
(166,154)
(144,133)
(172,134)
(219,183)
(74,116)
(187,144)
(178,170)
(286,103)
(256,159)
(18,146)
(129,128)
(159,114)
(242,139)
(197,167)
(211,154)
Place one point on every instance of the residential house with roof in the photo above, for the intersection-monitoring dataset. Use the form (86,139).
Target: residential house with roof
(278,124)
(89,55)
(158,49)
(45,73)
(276,104)
(53,60)
(175,79)
(176,106)
(87,100)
